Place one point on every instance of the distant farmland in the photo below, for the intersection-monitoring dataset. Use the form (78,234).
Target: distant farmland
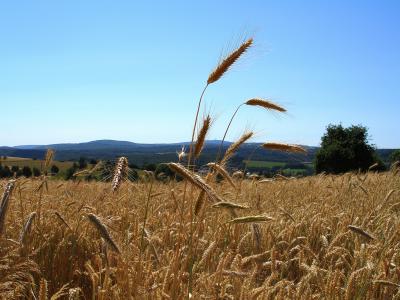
(263,164)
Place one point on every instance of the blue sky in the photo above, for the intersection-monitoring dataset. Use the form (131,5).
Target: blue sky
(73,71)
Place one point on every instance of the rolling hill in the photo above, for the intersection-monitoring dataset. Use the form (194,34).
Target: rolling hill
(156,153)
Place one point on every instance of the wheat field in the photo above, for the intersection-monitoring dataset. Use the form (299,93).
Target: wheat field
(193,236)
(303,248)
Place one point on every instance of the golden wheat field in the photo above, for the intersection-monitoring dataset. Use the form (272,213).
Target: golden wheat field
(321,237)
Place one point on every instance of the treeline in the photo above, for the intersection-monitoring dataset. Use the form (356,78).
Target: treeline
(106,171)
(288,169)
(25,171)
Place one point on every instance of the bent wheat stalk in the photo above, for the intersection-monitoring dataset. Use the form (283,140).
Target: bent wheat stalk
(252,102)
(360,231)
(27,228)
(196,180)
(284,147)
(223,172)
(60,217)
(229,205)
(265,104)
(251,219)
(101,228)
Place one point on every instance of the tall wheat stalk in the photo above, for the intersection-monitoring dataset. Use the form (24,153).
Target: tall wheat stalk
(5,203)
(252,102)
(215,75)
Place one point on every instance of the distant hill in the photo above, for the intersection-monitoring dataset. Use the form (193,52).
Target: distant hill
(157,153)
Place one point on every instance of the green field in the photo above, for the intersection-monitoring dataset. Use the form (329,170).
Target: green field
(22,162)
(263,164)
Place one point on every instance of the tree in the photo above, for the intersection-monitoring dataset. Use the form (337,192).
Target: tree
(164,169)
(69,173)
(82,163)
(150,167)
(395,156)
(36,172)
(26,171)
(54,169)
(14,169)
(6,172)
(345,149)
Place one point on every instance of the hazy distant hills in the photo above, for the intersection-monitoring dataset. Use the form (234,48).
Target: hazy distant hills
(155,153)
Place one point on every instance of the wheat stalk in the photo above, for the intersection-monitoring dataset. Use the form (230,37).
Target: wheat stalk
(251,219)
(206,255)
(360,231)
(60,217)
(119,173)
(201,137)
(284,147)
(235,146)
(387,283)
(229,205)
(91,171)
(223,172)
(256,232)
(27,228)
(226,63)
(196,180)
(101,228)
(43,289)
(49,158)
(4,203)
(265,104)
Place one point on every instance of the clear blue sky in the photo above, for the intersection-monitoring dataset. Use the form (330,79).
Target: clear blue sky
(73,71)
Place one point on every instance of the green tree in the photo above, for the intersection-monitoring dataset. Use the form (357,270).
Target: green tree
(26,171)
(149,167)
(345,149)
(14,169)
(164,169)
(69,173)
(54,169)
(82,163)
(395,156)
(6,172)
(36,172)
